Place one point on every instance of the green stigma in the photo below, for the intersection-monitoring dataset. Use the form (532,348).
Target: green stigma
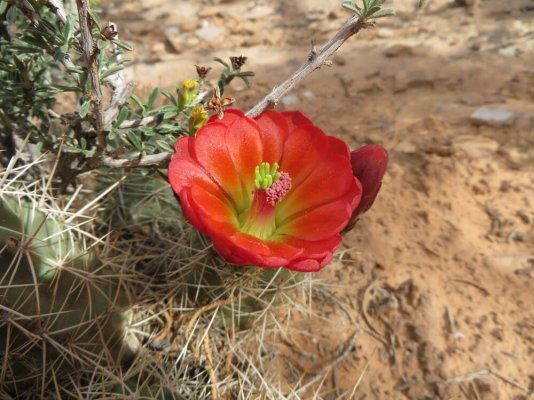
(265,175)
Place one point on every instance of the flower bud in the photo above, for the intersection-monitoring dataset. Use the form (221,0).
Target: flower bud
(369,164)
(189,92)
(198,118)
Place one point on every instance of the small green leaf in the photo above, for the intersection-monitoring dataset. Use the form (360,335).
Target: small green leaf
(84,108)
(139,103)
(123,114)
(122,44)
(169,96)
(152,97)
(221,62)
(95,19)
(111,71)
(350,6)
(133,138)
(83,143)
(3,6)
(102,44)
(164,145)
(11,15)
(386,12)
(71,149)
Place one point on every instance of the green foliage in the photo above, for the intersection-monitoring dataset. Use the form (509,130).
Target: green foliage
(42,59)
(369,10)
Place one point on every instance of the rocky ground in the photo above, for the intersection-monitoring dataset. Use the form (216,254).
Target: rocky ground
(441,271)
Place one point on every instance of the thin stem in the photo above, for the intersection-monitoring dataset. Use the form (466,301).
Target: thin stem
(88,49)
(315,61)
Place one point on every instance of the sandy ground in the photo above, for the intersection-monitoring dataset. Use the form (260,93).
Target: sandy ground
(441,270)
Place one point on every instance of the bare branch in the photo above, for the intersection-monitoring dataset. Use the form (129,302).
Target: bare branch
(134,123)
(315,60)
(154,160)
(57,8)
(122,89)
(89,53)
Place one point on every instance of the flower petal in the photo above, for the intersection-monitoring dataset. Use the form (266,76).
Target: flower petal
(242,248)
(295,119)
(315,255)
(303,149)
(330,180)
(245,147)
(209,149)
(369,164)
(274,129)
(318,223)
(229,116)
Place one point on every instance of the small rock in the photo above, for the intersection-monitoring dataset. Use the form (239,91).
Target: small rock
(308,95)
(406,147)
(492,116)
(339,60)
(210,11)
(316,14)
(466,3)
(412,79)
(399,50)
(509,262)
(476,147)
(515,157)
(509,51)
(385,33)
(188,25)
(158,51)
(178,41)
(260,11)
(209,32)
(290,100)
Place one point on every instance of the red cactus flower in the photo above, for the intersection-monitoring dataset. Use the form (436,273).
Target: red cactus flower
(274,191)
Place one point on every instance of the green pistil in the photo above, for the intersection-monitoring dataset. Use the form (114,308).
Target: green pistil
(265,175)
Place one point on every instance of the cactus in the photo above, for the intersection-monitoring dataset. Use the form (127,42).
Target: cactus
(59,312)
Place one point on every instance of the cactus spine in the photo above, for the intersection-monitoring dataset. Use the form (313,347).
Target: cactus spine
(58,311)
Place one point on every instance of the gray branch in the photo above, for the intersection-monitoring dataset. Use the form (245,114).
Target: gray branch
(315,60)
(88,48)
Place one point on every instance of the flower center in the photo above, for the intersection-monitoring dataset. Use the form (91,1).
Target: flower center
(271,187)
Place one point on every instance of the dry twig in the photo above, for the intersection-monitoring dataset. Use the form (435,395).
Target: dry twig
(88,49)
(316,59)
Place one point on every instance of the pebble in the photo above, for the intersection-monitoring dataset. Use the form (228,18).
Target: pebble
(406,147)
(385,33)
(260,11)
(209,32)
(399,50)
(476,147)
(492,116)
(508,262)
(509,51)
(308,95)
(290,100)
(178,41)
(412,79)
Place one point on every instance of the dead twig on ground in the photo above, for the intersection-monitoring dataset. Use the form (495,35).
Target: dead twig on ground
(482,290)
(336,360)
